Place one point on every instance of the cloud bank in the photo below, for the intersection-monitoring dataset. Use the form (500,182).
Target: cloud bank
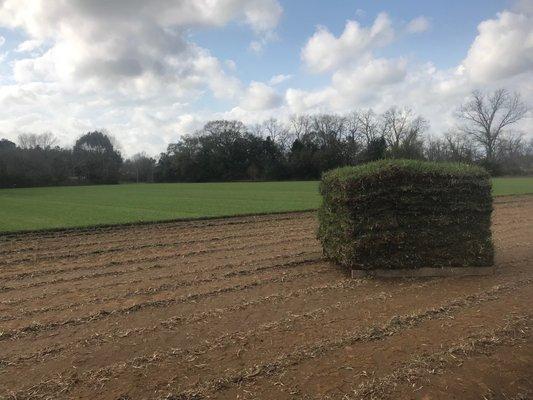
(133,67)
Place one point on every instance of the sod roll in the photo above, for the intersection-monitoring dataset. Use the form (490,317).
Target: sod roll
(395,214)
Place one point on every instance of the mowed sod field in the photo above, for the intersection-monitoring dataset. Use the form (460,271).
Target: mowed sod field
(80,206)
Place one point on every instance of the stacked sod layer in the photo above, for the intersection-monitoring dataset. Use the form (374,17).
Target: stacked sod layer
(395,214)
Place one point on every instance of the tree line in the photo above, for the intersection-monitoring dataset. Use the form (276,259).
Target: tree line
(301,148)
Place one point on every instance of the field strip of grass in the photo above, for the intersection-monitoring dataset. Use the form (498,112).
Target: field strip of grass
(83,206)
(512,186)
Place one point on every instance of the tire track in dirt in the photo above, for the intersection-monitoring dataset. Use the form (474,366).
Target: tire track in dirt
(129,270)
(196,263)
(176,322)
(88,286)
(22,314)
(340,372)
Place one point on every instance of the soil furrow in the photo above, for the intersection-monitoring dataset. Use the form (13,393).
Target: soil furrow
(156,278)
(25,237)
(394,326)
(53,256)
(291,233)
(411,372)
(166,287)
(166,234)
(147,259)
(175,322)
(36,327)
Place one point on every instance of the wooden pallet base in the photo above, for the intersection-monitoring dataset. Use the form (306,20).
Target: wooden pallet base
(423,272)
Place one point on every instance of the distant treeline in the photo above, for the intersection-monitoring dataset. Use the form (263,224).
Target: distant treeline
(302,148)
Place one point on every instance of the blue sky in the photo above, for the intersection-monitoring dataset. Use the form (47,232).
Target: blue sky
(149,72)
(445,43)
(454,25)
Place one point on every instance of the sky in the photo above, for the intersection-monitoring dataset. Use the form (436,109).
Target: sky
(150,71)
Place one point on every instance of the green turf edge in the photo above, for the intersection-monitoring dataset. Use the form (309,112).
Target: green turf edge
(355,173)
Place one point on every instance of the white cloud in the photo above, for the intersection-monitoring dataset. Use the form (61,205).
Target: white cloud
(138,56)
(28,45)
(262,15)
(208,68)
(314,101)
(502,48)
(418,24)
(357,76)
(257,46)
(145,80)
(366,78)
(325,52)
(381,84)
(140,46)
(500,56)
(2,40)
(260,96)
(278,79)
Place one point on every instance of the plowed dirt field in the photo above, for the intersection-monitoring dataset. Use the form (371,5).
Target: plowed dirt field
(245,308)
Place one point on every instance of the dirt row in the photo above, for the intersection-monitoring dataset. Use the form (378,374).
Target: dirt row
(247,308)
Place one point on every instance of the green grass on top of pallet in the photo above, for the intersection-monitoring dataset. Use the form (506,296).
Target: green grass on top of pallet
(381,167)
(81,206)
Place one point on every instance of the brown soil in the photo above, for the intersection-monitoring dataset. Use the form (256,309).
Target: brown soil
(245,308)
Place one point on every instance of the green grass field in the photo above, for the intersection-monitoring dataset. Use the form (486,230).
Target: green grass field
(78,206)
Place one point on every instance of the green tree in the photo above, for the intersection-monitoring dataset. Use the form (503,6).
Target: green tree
(95,158)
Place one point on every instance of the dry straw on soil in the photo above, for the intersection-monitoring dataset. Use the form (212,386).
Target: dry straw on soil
(406,214)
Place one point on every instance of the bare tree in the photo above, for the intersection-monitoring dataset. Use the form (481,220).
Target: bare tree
(460,148)
(256,130)
(300,126)
(328,127)
(353,137)
(368,125)
(277,131)
(353,127)
(31,140)
(401,128)
(486,117)
(219,127)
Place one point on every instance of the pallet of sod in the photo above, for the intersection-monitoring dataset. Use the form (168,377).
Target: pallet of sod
(407,218)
